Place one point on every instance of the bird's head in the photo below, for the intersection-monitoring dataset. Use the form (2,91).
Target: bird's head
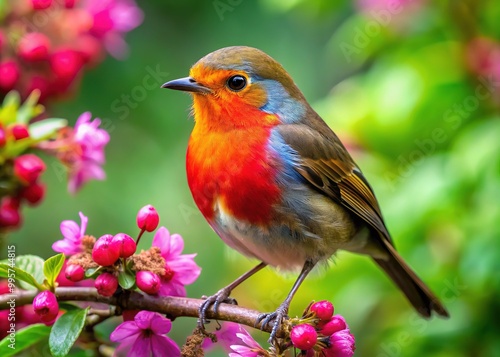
(241,86)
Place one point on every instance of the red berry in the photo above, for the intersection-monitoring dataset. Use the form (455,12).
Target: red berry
(323,309)
(336,323)
(33,193)
(104,252)
(148,281)
(19,131)
(124,244)
(9,213)
(38,82)
(41,4)
(106,284)
(128,315)
(28,167)
(74,272)
(34,46)
(9,75)
(303,337)
(66,64)
(147,218)
(46,306)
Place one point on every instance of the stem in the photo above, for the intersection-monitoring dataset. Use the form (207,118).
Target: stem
(173,307)
(139,236)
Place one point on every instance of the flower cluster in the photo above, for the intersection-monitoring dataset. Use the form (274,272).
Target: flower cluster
(79,149)
(46,44)
(113,261)
(318,333)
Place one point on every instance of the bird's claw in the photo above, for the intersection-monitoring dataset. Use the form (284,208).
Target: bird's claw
(222,296)
(278,316)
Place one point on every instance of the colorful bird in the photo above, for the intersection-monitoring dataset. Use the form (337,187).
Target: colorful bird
(275,182)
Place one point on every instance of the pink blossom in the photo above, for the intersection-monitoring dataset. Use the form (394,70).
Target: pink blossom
(73,234)
(249,348)
(226,337)
(145,336)
(180,268)
(86,162)
(111,19)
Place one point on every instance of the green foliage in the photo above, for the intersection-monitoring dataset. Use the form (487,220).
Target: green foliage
(52,267)
(66,330)
(25,338)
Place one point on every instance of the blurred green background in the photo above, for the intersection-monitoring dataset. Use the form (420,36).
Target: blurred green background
(413,89)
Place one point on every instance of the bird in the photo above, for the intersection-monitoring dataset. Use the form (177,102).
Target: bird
(276,183)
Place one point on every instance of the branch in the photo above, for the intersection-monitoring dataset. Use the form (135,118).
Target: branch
(173,307)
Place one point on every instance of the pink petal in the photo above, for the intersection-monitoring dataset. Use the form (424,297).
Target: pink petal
(142,347)
(124,331)
(143,319)
(162,241)
(84,221)
(160,325)
(82,119)
(164,346)
(70,230)
(176,245)
(186,270)
(172,288)
(66,247)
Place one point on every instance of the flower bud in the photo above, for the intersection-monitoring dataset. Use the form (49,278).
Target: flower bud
(66,64)
(148,281)
(303,337)
(46,306)
(147,218)
(106,284)
(74,272)
(28,167)
(336,323)
(323,310)
(34,46)
(9,75)
(19,131)
(124,244)
(104,253)
(33,193)
(9,213)
(41,4)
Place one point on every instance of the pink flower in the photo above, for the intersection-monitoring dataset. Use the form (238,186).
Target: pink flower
(250,347)
(73,234)
(145,336)
(180,268)
(111,19)
(226,337)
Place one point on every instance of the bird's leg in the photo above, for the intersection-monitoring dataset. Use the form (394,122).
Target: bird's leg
(282,311)
(223,295)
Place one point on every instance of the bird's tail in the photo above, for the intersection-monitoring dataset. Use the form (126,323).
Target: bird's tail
(419,295)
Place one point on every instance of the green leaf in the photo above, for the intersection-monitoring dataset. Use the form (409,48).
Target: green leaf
(52,267)
(20,277)
(30,108)
(65,331)
(24,338)
(68,306)
(46,128)
(32,265)
(126,279)
(92,272)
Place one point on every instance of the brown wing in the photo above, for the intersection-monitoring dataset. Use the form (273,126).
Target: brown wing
(326,164)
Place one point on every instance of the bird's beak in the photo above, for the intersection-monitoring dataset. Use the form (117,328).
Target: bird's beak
(186,84)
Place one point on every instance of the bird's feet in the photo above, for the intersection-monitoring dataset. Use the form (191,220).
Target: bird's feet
(278,316)
(222,296)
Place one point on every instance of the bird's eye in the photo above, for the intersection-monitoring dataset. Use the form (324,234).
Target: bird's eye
(236,83)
